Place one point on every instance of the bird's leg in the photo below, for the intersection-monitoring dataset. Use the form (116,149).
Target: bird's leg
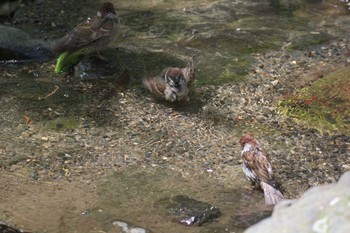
(253,186)
(249,188)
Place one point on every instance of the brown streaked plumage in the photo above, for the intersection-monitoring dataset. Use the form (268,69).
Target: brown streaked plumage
(96,34)
(173,84)
(257,167)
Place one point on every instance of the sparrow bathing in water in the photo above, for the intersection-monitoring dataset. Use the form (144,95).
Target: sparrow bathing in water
(94,34)
(173,84)
(257,167)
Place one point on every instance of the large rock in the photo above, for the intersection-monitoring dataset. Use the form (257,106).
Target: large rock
(7,7)
(321,209)
(17,46)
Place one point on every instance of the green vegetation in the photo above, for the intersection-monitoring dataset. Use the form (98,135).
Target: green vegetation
(325,105)
(66,61)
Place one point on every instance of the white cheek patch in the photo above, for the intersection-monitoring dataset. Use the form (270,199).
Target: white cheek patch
(247,147)
(171,82)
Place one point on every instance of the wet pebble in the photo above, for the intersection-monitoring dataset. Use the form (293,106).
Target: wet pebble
(127,229)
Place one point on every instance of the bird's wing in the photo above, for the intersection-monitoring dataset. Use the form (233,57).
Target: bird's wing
(249,167)
(257,161)
(189,72)
(76,39)
(84,34)
(156,85)
(263,166)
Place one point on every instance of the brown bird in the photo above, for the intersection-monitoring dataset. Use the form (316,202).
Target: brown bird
(173,84)
(96,34)
(257,167)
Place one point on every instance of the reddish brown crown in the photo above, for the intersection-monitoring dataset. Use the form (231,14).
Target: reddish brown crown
(106,8)
(174,72)
(246,138)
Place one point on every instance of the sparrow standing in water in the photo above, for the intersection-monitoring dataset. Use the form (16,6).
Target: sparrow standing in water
(258,169)
(95,34)
(173,84)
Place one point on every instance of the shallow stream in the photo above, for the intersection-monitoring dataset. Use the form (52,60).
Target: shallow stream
(77,155)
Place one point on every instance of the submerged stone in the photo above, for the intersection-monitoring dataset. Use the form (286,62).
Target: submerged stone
(91,67)
(189,211)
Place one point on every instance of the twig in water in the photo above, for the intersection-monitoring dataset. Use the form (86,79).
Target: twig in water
(50,94)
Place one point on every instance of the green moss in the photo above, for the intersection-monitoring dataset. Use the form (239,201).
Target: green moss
(229,75)
(63,123)
(223,70)
(325,105)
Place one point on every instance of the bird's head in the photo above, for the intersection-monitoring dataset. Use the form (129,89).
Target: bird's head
(175,82)
(249,137)
(105,9)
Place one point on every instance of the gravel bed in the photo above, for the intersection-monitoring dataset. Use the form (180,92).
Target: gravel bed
(142,131)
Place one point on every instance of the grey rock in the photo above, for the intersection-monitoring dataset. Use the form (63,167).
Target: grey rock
(18,46)
(320,209)
(7,7)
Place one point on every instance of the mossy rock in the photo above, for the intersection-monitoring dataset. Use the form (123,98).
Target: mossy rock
(325,105)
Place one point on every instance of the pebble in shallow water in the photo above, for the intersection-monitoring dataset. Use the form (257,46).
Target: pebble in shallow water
(126,229)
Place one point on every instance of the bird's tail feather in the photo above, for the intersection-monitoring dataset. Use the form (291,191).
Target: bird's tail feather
(272,195)
(189,72)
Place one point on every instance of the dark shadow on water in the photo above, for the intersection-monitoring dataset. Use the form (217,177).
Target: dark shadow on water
(244,221)
(141,62)
(193,106)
